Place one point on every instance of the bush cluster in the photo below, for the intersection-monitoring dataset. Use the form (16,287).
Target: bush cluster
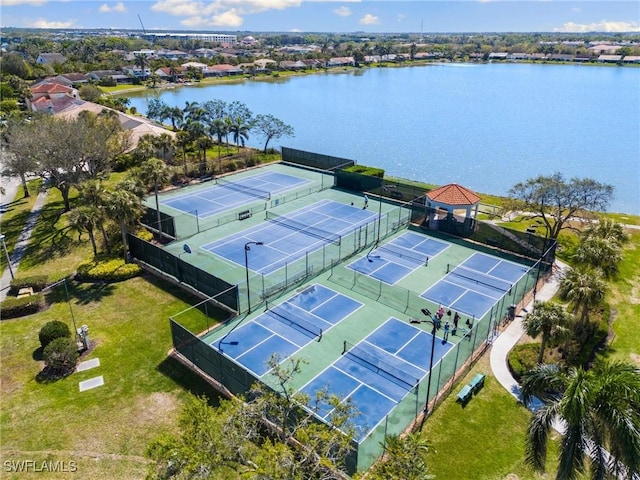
(14,307)
(53,330)
(364,170)
(111,270)
(37,282)
(61,356)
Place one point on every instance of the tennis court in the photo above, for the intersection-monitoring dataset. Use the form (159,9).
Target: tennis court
(285,238)
(226,194)
(393,261)
(476,285)
(285,328)
(378,372)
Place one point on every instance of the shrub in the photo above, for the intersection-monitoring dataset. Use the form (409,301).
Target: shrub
(364,170)
(19,307)
(523,358)
(60,356)
(144,234)
(109,270)
(53,330)
(37,282)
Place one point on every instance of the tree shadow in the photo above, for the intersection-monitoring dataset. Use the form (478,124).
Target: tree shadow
(38,354)
(49,375)
(189,380)
(80,293)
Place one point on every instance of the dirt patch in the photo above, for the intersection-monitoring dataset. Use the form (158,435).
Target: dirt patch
(635,358)
(157,407)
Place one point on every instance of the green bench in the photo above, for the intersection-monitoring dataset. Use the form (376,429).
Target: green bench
(465,394)
(477,382)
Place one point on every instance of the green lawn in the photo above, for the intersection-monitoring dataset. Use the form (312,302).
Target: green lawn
(483,440)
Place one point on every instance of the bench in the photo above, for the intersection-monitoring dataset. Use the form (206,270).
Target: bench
(396,194)
(477,382)
(244,215)
(465,394)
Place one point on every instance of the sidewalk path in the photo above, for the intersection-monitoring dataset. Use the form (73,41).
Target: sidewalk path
(21,245)
(503,344)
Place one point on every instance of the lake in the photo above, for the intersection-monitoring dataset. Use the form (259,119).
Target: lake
(484,126)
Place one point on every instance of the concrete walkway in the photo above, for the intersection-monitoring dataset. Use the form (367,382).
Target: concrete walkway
(11,186)
(503,344)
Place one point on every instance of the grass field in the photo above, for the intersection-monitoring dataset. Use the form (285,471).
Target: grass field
(106,430)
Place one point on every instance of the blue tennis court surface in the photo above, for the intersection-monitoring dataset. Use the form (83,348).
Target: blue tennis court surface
(288,238)
(225,195)
(476,285)
(377,373)
(285,328)
(395,260)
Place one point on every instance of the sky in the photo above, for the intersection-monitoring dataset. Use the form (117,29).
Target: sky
(345,16)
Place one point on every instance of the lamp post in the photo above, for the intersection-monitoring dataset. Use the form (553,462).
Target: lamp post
(247,248)
(427,313)
(4,246)
(66,291)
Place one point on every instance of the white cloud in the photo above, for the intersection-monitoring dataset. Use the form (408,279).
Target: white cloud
(195,8)
(400,17)
(42,23)
(118,7)
(576,10)
(369,19)
(603,26)
(226,19)
(33,3)
(342,11)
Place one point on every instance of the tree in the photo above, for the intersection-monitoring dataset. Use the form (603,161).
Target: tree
(156,109)
(52,330)
(140,61)
(89,92)
(240,131)
(155,172)
(600,411)
(584,288)
(218,128)
(271,128)
(86,218)
(165,143)
(607,229)
(556,201)
(602,254)
(548,320)
(61,356)
(404,459)
(93,193)
(126,208)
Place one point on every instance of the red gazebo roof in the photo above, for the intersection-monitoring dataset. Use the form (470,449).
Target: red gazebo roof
(453,194)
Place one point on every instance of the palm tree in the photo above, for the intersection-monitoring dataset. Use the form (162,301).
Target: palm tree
(165,143)
(203,143)
(584,288)
(607,229)
(93,193)
(600,410)
(183,139)
(126,208)
(605,254)
(155,172)
(141,62)
(240,131)
(549,320)
(218,128)
(175,115)
(85,219)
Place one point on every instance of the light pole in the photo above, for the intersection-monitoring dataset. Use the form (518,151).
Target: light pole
(66,291)
(4,246)
(427,313)
(247,248)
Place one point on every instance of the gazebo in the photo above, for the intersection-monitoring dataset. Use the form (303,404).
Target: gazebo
(452,208)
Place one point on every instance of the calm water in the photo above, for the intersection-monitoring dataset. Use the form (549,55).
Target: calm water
(483,126)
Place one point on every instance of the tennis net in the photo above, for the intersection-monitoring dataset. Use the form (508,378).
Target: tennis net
(479,278)
(303,228)
(303,325)
(371,361)
(404,254)
(255,192)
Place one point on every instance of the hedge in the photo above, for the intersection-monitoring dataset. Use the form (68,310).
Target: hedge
(37,282)
(113,270)
(14,307)
(364,170)
(52,330)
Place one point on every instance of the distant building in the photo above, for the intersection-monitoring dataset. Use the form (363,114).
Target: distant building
(50,59)
(204,37)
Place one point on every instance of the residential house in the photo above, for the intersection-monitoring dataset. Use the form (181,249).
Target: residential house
(291,65)
(196,65)
(223,70)
(556,57)
(313,62)
(265,64)
(205,52)
(101,75)
(51,97)
(538,56)
(609,58)
(171,73)
(631,59)
(50,59)
(498,56)
(604,49)
(136,71)
(172,54)
(341,62)
(137,126)
(518,56)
